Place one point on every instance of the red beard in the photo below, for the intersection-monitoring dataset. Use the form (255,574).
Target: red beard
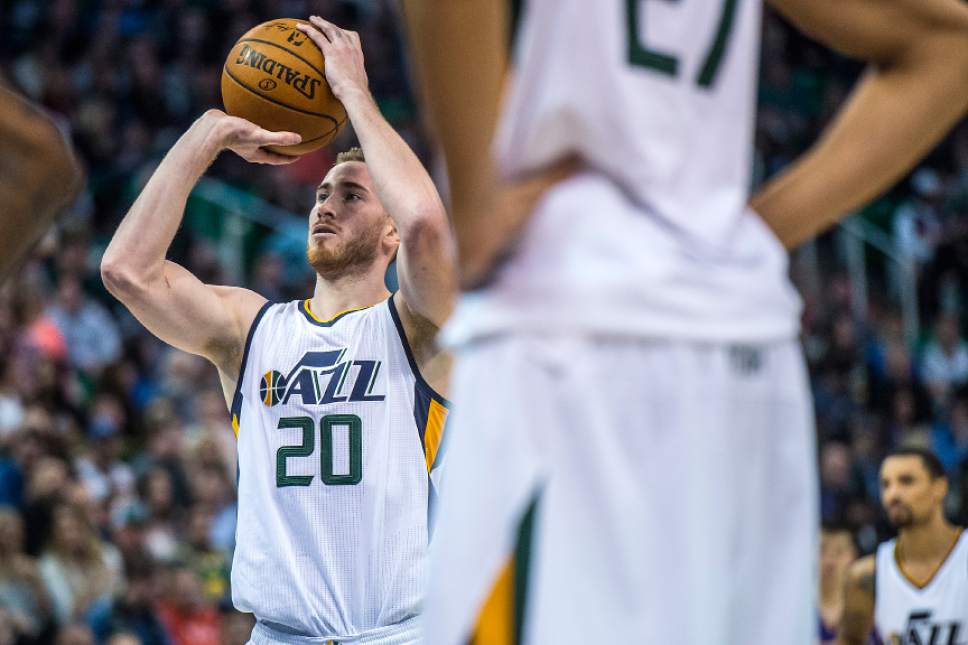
(347,258)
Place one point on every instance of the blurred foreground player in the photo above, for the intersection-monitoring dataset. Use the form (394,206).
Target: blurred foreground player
(649,475)
(39,175)
(334,398)
(914,590)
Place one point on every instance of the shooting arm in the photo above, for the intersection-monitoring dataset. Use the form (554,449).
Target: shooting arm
(206,320)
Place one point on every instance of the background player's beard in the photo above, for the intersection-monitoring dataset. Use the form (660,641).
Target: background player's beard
(901,518)
(348,258)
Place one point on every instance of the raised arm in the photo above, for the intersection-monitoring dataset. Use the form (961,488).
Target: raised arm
(914,91)
(210,321)
(425,260)
(858,618)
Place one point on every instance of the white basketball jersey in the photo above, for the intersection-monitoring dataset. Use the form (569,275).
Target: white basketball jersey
(337,433)
(936,614)
(658,99)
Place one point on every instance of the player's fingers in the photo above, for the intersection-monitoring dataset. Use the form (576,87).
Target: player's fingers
(267,138)
(314,35)
(271,158)
(331,31)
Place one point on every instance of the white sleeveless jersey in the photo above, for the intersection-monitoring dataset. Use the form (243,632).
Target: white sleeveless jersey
(658,98)
(936,614)
(337,433)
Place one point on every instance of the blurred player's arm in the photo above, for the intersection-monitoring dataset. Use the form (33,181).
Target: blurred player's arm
(210,321)
(914,91)
(858,617)
(40,175)
(460,55)
(425,259)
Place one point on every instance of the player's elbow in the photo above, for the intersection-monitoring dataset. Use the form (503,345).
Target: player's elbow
(120,279)
(427,226)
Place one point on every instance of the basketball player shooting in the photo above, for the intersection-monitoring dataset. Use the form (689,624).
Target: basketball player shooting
(334,399)
(915,588)
(661,486)
(39,175)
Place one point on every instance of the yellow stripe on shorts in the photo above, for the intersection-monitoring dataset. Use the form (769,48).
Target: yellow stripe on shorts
(495,624)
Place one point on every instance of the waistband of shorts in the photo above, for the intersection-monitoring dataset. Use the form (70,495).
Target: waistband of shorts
(406,632)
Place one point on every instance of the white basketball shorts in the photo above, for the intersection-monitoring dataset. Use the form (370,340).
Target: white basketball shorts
(619,491)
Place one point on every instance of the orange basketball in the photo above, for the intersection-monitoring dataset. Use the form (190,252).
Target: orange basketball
(274,76)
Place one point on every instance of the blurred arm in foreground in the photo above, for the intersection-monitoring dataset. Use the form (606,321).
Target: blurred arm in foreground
(914,91)
(39,175)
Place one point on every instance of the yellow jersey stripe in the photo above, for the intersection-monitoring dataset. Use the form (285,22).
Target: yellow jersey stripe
(495,623)
(235,425)
(317,319)
(434,431)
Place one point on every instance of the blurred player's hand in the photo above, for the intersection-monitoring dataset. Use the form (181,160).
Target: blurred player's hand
(345,70)
(246,139)
(490,226)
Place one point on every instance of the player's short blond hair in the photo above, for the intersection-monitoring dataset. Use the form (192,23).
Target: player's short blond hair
(353,154)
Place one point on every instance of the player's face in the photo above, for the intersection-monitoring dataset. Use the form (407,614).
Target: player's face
(836,553)
(908,493)
(348,226)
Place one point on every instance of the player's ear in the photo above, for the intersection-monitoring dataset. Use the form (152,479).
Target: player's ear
(391,237)
(390,229)
(940,486)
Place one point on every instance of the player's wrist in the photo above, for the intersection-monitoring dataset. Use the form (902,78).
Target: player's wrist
(355,98)
(210,134)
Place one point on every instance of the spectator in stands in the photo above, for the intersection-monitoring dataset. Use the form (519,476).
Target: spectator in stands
(945,362)
(917,223)
(22,594)
(75,634)
(132,611)
(188,616)
(100,468)
(125,638)
(78,569)
(950,436)
(839,484)
(210,564)
(161,535)
(91,334)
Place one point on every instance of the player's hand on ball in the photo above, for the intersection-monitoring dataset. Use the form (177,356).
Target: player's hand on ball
(248,140)
(343,53)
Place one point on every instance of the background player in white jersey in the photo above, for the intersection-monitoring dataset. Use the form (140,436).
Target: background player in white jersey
(333,398)
(650,476)
(915,588)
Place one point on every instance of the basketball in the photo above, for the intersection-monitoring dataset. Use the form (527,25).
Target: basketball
(274,76)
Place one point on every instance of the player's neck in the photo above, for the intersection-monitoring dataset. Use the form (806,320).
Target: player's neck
(928,542)
(334,296)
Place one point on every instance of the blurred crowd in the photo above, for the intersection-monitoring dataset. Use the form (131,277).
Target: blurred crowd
(117,462)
